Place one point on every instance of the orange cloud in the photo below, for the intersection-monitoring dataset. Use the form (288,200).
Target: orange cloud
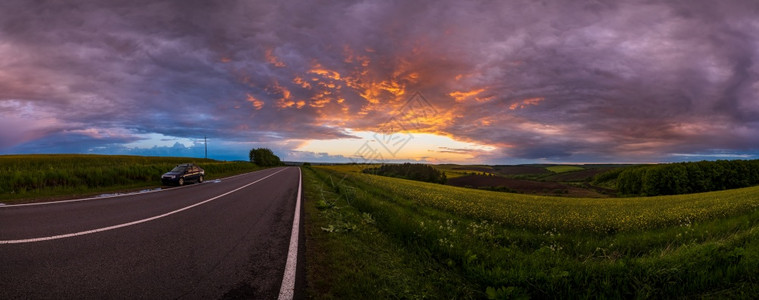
(462,96)
(272,59)
(285,97)
(374,92)
(383,93)
(299,81)
(321,99)
(393,87)
(257,104)
(526,102)
(319,70)
(428,121)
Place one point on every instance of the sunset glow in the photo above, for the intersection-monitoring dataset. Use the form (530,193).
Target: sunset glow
(421,147)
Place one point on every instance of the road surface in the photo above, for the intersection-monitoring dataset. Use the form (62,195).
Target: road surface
(219,239)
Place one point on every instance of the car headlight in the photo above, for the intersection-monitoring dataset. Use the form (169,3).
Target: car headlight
(169,176)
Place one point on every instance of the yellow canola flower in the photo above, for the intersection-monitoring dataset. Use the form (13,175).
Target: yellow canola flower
(593,214)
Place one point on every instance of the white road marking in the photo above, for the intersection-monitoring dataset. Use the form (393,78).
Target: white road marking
(62,236)
(111,195)
(99,197)
(108,197)
(287,290)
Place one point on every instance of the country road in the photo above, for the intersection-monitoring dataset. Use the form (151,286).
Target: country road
(219,239)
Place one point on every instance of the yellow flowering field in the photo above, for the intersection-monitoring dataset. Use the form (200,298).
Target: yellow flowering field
(586,214)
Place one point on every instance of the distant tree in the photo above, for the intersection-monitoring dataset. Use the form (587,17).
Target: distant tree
(688,177)
(610,175)
(264,157)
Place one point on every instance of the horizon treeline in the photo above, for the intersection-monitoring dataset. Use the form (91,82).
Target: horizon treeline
(684,178)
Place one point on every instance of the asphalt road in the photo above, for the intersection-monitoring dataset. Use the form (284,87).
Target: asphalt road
(225,239)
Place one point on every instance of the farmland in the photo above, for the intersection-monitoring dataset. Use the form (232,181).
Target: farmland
(561,180)
(563,169)
(25,178)
(506,184)
(395,238)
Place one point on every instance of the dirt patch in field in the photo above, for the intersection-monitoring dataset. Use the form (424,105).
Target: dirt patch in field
(520,170)
(505,170)
(522,186)
(582,175)
(474,169)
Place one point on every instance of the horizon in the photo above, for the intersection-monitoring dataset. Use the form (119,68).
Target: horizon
(384,162)
(427,82)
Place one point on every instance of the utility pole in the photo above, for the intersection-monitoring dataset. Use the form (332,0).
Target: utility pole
(205,142)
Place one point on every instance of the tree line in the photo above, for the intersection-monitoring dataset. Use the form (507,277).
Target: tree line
(684,178)
(419,172)
(264,157)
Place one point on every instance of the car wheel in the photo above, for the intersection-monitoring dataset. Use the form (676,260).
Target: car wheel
(181,181)
(200,179)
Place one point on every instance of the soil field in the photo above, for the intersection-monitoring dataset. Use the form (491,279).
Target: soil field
(520,170)
(505,170)
(522,186)
(474,169)
(582,175)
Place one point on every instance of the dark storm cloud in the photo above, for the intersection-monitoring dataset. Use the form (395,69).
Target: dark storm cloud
(550,80)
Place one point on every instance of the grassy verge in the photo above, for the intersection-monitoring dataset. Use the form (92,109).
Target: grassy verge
(33,178)
(350,257)
(370,236)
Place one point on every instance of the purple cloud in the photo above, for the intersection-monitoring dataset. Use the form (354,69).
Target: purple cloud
(540,81)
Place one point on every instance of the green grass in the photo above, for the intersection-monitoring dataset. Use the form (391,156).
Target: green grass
(349,257)
(29,178)
(454,171)
(376,234)
(563,169)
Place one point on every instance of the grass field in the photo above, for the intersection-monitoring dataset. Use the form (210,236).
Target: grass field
(454,171)
(379,237)
(28,178)
(563,169)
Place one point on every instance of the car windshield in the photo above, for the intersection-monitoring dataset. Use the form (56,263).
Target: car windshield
(179,169)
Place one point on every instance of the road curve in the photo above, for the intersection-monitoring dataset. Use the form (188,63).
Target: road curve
(226,239)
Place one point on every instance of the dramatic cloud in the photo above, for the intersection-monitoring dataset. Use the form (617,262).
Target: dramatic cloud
(527,81)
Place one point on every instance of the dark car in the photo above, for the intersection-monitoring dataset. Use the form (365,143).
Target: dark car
(182,174)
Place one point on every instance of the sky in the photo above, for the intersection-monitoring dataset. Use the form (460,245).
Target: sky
(474,82)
